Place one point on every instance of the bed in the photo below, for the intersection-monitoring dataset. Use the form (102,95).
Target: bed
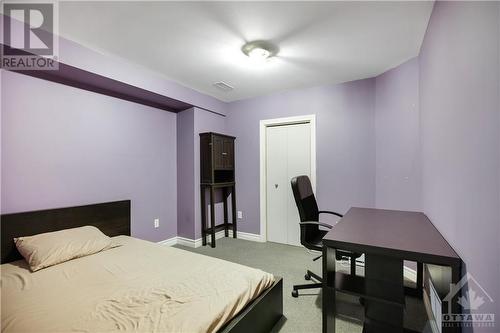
(137,286)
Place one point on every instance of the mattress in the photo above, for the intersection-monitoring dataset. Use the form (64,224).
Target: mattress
(136,287)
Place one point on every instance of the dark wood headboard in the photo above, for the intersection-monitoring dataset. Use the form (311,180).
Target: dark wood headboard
(112,218)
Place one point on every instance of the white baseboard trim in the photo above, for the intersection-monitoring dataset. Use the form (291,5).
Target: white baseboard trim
(194,243)
(188,242)
(168,242)
(250,237)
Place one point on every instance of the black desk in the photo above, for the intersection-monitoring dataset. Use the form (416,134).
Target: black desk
(386,238)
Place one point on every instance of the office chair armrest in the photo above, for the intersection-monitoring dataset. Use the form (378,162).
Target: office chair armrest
(317,223)
(329,212)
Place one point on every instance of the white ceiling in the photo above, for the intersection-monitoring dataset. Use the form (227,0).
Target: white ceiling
(199,43)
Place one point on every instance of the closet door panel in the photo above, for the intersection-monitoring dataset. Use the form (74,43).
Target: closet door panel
(277,187)
(298,163)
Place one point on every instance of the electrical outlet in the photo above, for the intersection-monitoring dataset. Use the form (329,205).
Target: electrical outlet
(157,223)
(240,214)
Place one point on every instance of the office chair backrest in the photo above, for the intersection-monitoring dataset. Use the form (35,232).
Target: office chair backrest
(308,208)
(304,198)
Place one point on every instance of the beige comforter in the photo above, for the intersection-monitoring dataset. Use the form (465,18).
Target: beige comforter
(139,286)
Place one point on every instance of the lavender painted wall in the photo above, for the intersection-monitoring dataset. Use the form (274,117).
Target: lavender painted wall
(205,122)
(148,200)
(63,146)
(185,174)
(190,124)
(460,108)
(397,141)
(345,144)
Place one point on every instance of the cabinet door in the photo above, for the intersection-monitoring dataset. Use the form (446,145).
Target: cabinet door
(228,153)
(218,148)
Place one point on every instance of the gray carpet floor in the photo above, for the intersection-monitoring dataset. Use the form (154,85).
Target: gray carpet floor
(302,314)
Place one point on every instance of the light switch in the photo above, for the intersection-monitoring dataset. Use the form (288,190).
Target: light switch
(240,214)
(157,223)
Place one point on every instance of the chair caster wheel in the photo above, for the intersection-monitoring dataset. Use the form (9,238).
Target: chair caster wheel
(307,277)
(295,293)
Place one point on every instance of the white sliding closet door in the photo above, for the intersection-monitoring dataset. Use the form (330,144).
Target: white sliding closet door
(288,154)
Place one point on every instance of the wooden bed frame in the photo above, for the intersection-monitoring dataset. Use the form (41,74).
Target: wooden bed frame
(113,219)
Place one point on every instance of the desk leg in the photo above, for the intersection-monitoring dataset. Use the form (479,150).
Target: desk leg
(203,216)
(212,215)
(233,209)
(420,279)
(383,280)
(226,221)
(328,294)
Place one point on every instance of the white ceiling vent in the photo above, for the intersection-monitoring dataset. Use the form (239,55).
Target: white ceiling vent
(223,86)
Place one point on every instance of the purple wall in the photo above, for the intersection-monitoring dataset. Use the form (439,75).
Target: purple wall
(143,166)
(344,144)
(459,88)
(398,178)
(63,146)
(205,122)
(190,124)
(185,174)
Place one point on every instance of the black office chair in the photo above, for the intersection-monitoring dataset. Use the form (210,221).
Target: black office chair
(310,234)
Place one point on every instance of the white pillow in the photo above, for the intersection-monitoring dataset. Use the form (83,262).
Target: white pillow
(52,248)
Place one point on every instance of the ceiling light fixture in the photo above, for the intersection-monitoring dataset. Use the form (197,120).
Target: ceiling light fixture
(259,50)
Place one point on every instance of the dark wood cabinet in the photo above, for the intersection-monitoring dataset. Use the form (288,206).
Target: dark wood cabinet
(217,172)
(216,158)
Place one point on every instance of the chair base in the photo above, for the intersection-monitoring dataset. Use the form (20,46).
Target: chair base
(319,284)
(308,276)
